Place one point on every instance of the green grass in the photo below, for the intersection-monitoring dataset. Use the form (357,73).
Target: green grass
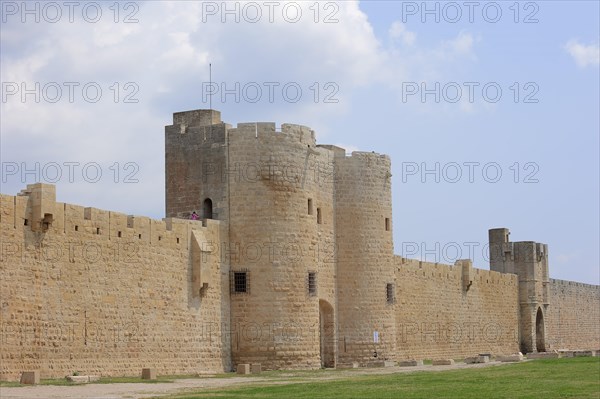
(547,379)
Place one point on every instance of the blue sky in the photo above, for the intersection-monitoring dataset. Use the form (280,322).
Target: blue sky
(374,59)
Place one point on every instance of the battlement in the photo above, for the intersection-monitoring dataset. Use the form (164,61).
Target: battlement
(365,155)
(197,117)
(267,130)
(506,256)
(86,222)
(571,284)
(461,272)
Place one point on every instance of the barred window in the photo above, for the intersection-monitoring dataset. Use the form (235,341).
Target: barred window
(312,283)
(239,282)
(390,293)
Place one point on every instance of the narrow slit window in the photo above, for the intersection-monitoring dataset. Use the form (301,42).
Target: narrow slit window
(312,283)
(76,228)
(140,236)
(387,224)
(319,220)
(390,294)
(310,206)
(119,234)
(26,222)
(97,230)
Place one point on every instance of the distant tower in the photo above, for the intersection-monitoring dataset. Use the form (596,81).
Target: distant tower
(529,260)
(195,153)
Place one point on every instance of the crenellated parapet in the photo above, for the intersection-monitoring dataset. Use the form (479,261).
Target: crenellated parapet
(36,210)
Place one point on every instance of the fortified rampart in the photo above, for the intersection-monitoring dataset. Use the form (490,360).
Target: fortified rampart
(291,266)
(101,292)
(573,315)
(446,311)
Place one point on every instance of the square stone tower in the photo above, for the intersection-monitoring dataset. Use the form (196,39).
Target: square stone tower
(528,260)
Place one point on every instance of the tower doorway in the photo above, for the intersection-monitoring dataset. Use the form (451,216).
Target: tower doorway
(327,334)
(207,209)
(540,344)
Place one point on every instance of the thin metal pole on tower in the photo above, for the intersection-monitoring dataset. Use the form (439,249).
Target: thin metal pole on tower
(210,85)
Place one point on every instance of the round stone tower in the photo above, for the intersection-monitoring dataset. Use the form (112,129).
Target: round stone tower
(366,281)
(308,242)
(281,245)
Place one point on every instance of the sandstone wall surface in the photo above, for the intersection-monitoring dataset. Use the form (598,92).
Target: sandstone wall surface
(436,317)
(573,316)
(104,293)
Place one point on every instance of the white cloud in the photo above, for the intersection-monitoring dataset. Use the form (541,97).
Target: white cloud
(399,32)
(462,44)
(584,55)
(166,55)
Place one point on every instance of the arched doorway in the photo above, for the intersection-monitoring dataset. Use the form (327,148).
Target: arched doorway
(540,344)
(207,210)
(327,334)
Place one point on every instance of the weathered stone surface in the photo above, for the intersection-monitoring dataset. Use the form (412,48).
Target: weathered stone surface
(477,359)
(510,358)
(584,353)
(353,365)
(255,368)
(382,363)
(243,369)
(30,377)
(443,362)
(148,374)
(543,355)
(78,379)
(410,363)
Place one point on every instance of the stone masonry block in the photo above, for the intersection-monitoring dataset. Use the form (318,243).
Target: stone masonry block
(511,358)
(255,368)
(477,359)
(243,368)
(543,355)
(148,374)
(410,363)
(443,362)
(78,379)
(30,377)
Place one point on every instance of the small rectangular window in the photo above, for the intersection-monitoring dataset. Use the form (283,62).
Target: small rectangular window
(26,222)
(239,282)
(76,228)
(390,294)
(387,224)
(119,234)
(312,283)
(319,215)
(310,206)
(140,236)
(97,230)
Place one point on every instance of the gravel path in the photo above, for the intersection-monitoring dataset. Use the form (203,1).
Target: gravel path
(144,390)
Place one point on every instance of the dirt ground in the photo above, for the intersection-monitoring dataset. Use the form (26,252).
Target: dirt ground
(148,390)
